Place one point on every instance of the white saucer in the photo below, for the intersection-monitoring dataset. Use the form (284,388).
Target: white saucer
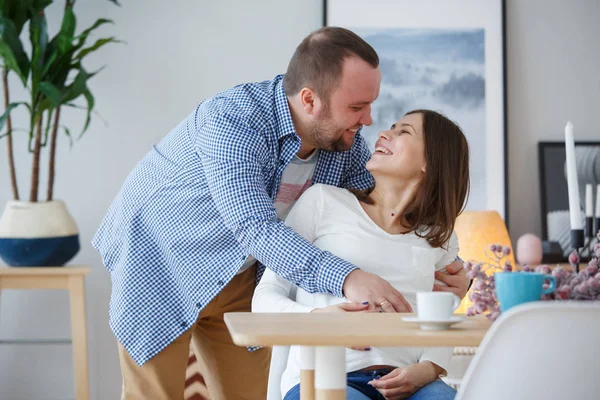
(435,325)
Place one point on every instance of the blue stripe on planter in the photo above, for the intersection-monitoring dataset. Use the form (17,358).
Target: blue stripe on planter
(39,252)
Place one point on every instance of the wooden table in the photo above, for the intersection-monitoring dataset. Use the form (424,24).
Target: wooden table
(332,333)
(67,278)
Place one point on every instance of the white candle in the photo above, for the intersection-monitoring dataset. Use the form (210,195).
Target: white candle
(573,186)
(589,200)
(598,201)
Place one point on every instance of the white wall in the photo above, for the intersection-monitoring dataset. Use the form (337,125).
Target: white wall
(553,67)
(180,53)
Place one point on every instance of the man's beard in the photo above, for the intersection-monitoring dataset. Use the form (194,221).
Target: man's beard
(322,132)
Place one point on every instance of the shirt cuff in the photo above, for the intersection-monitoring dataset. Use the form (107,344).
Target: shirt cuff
(333,275)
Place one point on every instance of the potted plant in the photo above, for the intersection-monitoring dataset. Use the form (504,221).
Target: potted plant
(36,232)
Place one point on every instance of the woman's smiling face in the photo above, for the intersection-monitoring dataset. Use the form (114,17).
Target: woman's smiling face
(400,150)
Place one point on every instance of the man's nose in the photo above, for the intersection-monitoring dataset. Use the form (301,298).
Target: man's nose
(366,117)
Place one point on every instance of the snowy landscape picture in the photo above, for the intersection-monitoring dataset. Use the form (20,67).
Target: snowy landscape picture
(447,56)
(438,69)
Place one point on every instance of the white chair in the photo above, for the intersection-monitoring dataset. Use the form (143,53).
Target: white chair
(540,350)
(279,357)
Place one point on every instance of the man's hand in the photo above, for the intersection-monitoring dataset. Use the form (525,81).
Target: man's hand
(361,286)
(455,278)
(403,382)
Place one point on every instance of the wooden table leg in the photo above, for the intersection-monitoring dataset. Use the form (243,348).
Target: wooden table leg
(79,336)
(330,376)
(307,373)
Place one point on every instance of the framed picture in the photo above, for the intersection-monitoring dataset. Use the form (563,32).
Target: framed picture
(447,56)
(554,197)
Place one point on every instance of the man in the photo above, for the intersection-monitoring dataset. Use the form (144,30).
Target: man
(182,237)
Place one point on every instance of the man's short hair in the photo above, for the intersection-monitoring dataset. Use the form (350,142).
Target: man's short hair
(317,61)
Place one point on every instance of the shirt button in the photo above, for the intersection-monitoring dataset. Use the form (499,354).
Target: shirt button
(184,324)
(199,305)
(220,283)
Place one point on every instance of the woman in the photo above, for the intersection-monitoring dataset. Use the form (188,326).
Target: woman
(402,230)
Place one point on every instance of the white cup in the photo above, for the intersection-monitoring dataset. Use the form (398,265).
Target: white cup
(436,306)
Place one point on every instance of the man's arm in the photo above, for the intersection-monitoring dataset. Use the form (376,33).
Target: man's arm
(233,157)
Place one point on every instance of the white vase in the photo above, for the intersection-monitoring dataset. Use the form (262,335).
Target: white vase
(37,234)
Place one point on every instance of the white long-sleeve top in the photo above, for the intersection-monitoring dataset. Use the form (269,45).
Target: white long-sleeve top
(333,219)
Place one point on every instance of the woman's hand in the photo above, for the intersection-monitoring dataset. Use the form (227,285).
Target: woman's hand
(403,382)
(343,307)
(346,307)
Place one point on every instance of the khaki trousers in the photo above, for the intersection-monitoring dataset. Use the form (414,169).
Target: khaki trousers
(231,372)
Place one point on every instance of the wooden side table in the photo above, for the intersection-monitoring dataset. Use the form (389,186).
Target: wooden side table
(71,278)
(331,333)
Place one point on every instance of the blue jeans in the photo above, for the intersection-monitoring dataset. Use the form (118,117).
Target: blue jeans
(358,389)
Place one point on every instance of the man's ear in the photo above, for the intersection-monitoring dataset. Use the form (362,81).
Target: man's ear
(307,99)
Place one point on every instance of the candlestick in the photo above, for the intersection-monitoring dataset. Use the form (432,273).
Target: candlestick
(589,211)
(577,240)
(597,219)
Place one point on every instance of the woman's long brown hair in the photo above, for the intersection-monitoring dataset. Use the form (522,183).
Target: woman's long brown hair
(443,192)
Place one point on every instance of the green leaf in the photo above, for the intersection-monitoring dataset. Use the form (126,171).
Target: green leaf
(6,113)
(99,43)
(16,11)
(67,31)
(90,106)
(11,50)
(47,129)
(39,5)
(68,133)
(39,40)
(51,93)
(83,35)
(78,86)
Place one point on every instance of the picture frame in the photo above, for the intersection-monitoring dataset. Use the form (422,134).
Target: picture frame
(448,57)
(554,198)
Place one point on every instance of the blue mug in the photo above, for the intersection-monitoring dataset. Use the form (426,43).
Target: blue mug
(514,288)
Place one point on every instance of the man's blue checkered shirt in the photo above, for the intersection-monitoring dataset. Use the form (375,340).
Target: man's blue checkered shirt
(200,202)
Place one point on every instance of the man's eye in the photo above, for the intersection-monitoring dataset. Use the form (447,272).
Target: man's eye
(356,108)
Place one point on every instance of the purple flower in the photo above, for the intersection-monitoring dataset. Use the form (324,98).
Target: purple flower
(492,247)
(574,258)
(506,251)
(592,269)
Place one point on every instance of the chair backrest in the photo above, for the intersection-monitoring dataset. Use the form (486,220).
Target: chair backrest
(541,350)
(476,231)
(279,358)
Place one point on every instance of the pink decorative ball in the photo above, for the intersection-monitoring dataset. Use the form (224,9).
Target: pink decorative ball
(529,250)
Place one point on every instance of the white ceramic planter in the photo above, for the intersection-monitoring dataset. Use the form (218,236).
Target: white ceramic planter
(37,234)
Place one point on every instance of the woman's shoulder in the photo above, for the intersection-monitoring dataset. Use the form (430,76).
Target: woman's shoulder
(333,193)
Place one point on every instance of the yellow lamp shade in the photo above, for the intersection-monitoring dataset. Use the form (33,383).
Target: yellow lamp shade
(476,231)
